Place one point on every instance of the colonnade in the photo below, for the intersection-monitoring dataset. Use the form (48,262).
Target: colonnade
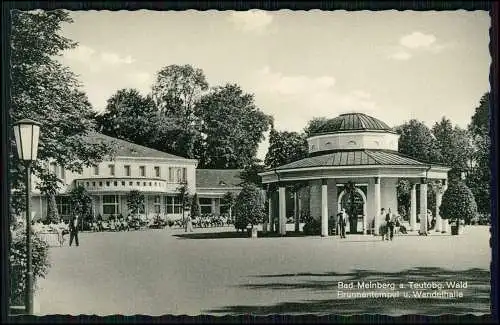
(441,224)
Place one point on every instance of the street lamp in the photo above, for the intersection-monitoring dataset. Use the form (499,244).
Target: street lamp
(26,133)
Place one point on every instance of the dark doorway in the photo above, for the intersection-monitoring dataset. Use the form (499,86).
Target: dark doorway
(353,206)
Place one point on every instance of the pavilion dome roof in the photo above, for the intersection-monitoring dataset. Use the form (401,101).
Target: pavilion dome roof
(349,122)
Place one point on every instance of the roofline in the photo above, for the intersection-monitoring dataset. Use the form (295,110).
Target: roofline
(424,167)
(180,159)
(351,131)
(218,188)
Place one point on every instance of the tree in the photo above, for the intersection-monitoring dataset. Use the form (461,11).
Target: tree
(454,145)
(177,89)
(184,197)
(195,206)
(250,173)
(351,191)
(135,202)
(478,179)
(458,202)
(315,125)
(232,127)
(129,116)
(44,90)
(285,147)
(81,203)
(417,141)
(249,207)
(229,200)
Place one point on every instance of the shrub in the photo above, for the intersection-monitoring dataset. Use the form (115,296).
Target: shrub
(18,267)
(312,227)
(249,207)
(458,203)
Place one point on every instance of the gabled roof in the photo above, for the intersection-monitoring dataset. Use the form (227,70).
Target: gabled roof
(354,158)
(218,178)
(128,149)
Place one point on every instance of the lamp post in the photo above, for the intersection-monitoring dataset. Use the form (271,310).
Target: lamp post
(26,133)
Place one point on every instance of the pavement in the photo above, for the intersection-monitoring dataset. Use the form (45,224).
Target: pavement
(217,271)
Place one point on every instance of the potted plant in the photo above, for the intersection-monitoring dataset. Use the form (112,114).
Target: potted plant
(458,205)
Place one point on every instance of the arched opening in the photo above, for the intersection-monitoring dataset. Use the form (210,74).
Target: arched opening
(356,209)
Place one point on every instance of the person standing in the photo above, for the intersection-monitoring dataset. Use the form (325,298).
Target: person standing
(73,230)
(390,224)
(341,221)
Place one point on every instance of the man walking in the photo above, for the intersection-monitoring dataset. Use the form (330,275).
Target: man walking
(390,224)
(341,221)
(73,230)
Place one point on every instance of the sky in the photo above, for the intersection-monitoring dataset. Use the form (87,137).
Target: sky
(392,65)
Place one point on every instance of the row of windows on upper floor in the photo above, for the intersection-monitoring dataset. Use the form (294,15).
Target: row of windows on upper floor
(175,174)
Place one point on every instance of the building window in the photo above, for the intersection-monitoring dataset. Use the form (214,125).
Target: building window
(88,183)
(112,170)
(63,173)
(123,183)
(127,170)
(205,205)
(130,183)
(177,175)
(173,205)
(157,171)
(142,170)
(107,183)
(116,183)
(63,206)
(53,168)
(93,184)
(110,204)
(157,204)
(96,170)
(100,183)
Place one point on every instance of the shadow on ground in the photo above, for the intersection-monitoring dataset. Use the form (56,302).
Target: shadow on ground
(236,234)
(476,297)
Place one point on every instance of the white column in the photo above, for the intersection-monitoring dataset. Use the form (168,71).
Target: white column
(41,207)
(413,207)
(282,210)
(296,210)
(324,208)
(423,206)
(376,200)
(299,207)
(270,212)
(444,222)
(213,206)
(439,221)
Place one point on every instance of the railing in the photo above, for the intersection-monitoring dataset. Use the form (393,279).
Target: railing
(125,184)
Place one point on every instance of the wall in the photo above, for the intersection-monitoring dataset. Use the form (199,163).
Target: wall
(355,140)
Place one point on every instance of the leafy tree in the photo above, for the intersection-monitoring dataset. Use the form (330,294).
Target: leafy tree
(285,147)
(229,199)
(249,207)
(129,116)
(417,141)
(195,206)
(250,173)
(81,203)
(135,202)
(351,192)
(44,90)
(458,202)
(478,179)
(315,125)
(184,197)
(454,145)
(177,89)
(232,127)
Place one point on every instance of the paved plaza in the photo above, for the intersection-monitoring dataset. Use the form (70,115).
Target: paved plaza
(157,272)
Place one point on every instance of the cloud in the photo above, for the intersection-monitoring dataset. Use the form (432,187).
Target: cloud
(251,21)
(139,80)
(95,60)
(417,40)
(401,55)
(296,99)
(115,59)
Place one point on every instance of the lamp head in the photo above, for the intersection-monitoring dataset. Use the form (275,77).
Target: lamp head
(27,132)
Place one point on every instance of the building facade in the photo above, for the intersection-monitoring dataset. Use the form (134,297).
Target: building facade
(155,174)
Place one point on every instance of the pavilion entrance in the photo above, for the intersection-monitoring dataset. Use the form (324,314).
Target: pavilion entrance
(354,206)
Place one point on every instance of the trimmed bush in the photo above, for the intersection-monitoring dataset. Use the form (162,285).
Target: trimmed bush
(249,207)
(458,203)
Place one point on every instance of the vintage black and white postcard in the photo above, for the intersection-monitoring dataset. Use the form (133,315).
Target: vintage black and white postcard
(249,162)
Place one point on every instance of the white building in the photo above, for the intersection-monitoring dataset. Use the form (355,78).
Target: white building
(156,174)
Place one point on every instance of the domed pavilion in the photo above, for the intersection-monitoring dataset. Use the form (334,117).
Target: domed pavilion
(359,149)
